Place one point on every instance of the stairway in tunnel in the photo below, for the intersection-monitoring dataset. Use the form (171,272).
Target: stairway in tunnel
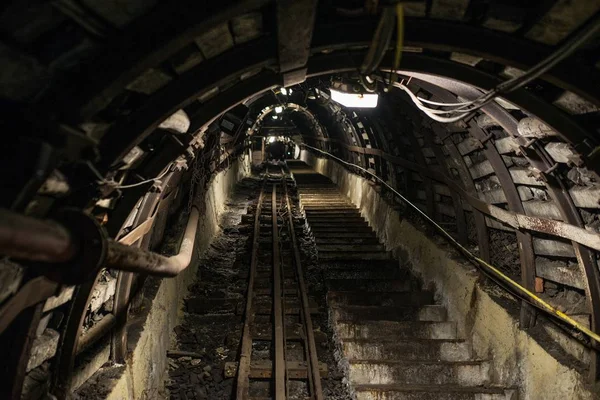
(396,342)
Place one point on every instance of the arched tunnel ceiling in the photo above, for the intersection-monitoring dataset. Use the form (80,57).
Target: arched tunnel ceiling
(145,71)
(93,82)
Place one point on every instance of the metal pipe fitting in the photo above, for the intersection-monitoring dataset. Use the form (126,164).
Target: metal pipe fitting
(27,238)
(32,239)
(134,259)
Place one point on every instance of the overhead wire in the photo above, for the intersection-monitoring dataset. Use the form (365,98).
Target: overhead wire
(489,269)
(399,43)
(465,109)
(103,181)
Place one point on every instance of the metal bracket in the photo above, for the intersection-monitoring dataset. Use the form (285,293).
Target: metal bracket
(485,139)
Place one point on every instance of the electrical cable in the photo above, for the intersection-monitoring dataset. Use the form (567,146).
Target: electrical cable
(103,181)
(465,109)
(399,43)
(526,294)
(158,178)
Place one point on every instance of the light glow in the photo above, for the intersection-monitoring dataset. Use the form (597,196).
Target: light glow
(275,117)
(271,139)
(366,100)
(284,91)
(279,109)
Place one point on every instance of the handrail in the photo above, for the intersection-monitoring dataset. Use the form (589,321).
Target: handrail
(524,293)
(515,220)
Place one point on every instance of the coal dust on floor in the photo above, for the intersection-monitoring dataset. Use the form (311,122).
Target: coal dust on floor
(211,329)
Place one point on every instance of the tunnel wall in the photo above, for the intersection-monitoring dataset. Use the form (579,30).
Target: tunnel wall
(485,314)
(144,375)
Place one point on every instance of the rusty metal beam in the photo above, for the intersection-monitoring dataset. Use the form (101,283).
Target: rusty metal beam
(221,70)
(144,44)
(295,24)
(524,239)
(418,122)
(418,153)
(483,237)
(459,211)
(518,221)
(538,158)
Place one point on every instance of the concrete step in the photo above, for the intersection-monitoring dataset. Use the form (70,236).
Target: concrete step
(412,349)
(346,329)
(351,248)
(354,241)
(433,313)
(430,392)
(340,219)
(316,197)
(374,273)
(344,235)
(373,285)
(464,373)
(325,203)
(328,228)
(396,299)
(339,224)
(332,213)
(353,256)
(309,208)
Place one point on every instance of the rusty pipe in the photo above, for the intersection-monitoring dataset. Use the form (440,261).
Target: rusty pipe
(28,238)
(134,259)
(32,239)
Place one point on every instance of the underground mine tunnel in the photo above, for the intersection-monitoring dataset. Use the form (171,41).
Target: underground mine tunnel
(293,199)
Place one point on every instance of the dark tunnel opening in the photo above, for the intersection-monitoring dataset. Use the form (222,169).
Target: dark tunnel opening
(423,175)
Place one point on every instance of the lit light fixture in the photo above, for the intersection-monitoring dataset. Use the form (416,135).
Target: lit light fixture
(362,100)
(279,109)
(271,139)
(290,91)
(275,117)
(284,91)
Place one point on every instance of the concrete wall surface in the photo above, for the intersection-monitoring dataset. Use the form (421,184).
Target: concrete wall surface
(150,335)
(482,311)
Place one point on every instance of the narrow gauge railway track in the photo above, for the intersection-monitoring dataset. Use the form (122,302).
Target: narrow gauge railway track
(278,314)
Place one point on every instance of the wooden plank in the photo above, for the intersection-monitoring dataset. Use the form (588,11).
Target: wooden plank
(547,247)
(560,272)
(264,369)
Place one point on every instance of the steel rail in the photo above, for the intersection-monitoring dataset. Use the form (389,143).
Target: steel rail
(313,361)
(278,309)
(243,384)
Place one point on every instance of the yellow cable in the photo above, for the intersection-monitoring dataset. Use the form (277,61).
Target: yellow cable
(532,296)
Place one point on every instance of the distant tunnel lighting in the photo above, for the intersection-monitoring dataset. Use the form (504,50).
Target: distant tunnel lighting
(368,100)
(271,139)
(278,109)
(284,91)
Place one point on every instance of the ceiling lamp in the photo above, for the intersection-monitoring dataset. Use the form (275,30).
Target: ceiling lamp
(284,91)
(355,100)
(279,109)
